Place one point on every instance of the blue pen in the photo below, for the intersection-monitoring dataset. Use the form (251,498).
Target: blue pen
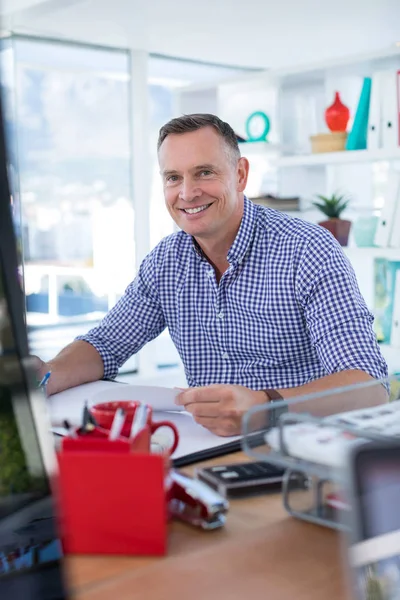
(45,379)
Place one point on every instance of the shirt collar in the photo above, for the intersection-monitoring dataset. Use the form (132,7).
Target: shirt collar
(197,250)
(243,238)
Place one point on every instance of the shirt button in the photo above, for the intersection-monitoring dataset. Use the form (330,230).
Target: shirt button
(210,273)
(220,315)
(225,355)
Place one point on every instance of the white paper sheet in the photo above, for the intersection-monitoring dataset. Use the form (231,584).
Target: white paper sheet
(192,437)
(69,404)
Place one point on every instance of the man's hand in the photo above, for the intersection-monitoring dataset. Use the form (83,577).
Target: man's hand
(40,366)
(76,364)
(220,408)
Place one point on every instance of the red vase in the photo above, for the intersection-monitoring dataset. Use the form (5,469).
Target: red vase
(337,115)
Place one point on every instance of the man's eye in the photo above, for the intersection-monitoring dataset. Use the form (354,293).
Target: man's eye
(172,178)
(205,172)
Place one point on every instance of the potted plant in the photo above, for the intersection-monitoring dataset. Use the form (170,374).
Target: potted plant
(14,474)
(333,206)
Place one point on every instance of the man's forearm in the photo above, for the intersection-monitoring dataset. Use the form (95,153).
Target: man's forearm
(76,364)
(341,401)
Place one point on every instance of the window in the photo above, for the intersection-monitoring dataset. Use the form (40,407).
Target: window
(68,111)
(71,114)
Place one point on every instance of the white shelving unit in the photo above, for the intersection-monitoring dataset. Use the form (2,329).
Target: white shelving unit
(370,253)
(295,100)
(268,151)
(339,158)
(264,149)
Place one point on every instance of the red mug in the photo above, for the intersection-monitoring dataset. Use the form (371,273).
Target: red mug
(104,414)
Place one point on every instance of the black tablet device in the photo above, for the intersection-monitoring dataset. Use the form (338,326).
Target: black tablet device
(236,480)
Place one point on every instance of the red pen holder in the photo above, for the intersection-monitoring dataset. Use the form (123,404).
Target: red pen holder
(112,496)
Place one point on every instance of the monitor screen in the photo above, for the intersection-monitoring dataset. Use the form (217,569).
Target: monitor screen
(376,557)
(30,551)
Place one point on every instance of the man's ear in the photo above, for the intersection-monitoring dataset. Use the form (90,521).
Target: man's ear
(242,173)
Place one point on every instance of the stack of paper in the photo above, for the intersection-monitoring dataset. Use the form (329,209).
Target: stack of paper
(328,443)
(193,438)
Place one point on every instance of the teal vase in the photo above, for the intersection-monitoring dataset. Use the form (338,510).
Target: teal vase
(364,231)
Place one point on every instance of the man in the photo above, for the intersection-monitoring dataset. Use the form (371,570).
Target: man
(258,304)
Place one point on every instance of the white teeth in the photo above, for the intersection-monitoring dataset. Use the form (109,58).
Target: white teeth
(193,211)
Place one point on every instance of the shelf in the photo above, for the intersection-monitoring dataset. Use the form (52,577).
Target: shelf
(321,159)
(354,252)
(259,148)
(392,356)
(337,158)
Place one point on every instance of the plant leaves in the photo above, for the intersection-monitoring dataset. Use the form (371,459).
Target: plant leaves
(332,206)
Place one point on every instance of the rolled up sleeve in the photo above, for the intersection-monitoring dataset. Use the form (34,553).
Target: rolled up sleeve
(339,323)
(136,319)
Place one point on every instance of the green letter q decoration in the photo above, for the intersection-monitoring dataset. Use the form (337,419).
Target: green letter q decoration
(257,127)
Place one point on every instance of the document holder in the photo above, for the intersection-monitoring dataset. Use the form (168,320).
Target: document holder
(314,487)
(112,496)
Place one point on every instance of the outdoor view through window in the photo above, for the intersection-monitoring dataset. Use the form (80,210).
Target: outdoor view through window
(68,112)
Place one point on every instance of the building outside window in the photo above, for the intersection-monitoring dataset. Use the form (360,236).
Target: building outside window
(70,118)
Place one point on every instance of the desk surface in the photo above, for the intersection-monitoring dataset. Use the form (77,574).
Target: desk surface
(260,553)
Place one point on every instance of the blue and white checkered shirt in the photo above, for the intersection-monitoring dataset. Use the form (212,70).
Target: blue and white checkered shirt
(288,309)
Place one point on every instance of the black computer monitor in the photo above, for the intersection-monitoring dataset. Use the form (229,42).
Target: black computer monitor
(30,551)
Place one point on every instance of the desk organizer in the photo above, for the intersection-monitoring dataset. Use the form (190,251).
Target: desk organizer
(307,487)
(312,491)
(112,497)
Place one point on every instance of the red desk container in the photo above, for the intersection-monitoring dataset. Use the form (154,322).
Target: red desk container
(112,500)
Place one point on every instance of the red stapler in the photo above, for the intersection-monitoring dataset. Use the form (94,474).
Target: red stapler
(194,502)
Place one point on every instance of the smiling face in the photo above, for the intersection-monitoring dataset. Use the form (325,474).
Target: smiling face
(203,183)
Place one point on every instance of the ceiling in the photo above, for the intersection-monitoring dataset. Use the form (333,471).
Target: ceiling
(256,33)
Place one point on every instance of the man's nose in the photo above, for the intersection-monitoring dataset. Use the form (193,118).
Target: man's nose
(189,191)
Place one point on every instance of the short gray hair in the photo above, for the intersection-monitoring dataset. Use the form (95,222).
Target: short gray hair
(188,123)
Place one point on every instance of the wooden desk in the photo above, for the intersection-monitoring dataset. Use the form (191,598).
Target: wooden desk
(260,553)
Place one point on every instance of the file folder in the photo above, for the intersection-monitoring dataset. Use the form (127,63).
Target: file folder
(385,225)
(374,139)
(395,333)
(390,117)
(357,139)
(394,240)
(398,105)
